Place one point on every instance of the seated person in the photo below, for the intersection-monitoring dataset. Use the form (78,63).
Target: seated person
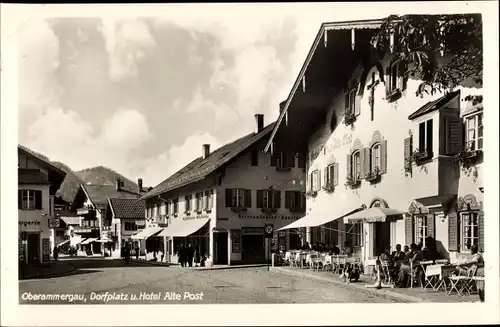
(347,248)
(406,250)
(475,259)
(405,269)
(398,255)
(335,250)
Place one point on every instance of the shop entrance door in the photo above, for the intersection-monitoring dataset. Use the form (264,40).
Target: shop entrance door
(220,248)
(382,237)
(33,248)
(253,248)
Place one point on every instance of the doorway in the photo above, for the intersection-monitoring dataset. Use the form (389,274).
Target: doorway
(253,248)
(382,237)
(33,248)
(220,248)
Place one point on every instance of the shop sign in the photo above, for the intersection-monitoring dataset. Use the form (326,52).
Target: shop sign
(29,223)
(268,229)
(54,223)
(252,230)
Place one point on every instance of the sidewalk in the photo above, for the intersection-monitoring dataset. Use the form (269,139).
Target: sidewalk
(54,269)
(176,265)
(410,295)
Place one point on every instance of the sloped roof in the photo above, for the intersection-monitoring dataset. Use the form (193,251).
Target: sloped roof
(127,208)
(99,194)
(199,168)
(433,105)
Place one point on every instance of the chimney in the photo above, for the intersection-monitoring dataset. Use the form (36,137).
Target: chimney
(206,151)
(118,184)
(282,105)
(139,182)
(259,118)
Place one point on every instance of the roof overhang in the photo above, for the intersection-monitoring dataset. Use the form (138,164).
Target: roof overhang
(320,93)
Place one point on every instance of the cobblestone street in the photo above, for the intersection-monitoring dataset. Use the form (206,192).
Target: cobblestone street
(243,285)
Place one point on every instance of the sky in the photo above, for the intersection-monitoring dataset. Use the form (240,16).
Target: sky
(141,94)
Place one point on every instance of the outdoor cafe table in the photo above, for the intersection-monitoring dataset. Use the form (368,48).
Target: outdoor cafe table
(442,272)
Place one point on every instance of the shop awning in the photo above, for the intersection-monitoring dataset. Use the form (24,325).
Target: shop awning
(373,215)
(315,218)
(62,243)
(183,228)
(76,241)
(147,232)
(104,241)
(88,241)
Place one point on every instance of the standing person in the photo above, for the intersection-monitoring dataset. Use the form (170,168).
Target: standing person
(190,254)
(127,253)
(182,255)
(136,251)
(56,253)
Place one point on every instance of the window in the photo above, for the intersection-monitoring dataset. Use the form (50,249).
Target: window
(238,198)
(167,208)
(187,201)
(394,82)
(352,100)
(175,206)
(130,226)
(270,199)
(421,229)
(330,172)
(375,157)
(356,165)
(199,201)
(315,180)
(474,132)
(209,199)
(255,158)
(283,160)
(425,137)
(470,230)
(355,232)
(155,211)
(30,200)
(295,200)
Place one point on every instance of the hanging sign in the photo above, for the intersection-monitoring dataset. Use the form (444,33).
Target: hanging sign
(268,230)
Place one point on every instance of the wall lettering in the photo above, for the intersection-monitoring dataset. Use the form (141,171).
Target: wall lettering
(328,149)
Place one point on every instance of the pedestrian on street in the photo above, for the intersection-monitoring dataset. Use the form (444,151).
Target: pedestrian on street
(56,253)
(127,254)
(136,252)
(190,254)
(182,255)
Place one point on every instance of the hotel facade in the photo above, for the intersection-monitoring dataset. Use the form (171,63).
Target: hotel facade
(220,202)
(370,142)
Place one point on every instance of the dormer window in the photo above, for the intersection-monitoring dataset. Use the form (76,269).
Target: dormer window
(396,79)
(351,102)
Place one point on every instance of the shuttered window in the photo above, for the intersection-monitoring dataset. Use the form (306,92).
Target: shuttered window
(315,180)
(453,235)
(395,74)
(474,132)
(408,229)
(295,200)
(30,200)
(453,136)
(175,206)
(356,164)
(466,229)
(238,198)
(469,230)
(209,199)
(408,144)
(270,199)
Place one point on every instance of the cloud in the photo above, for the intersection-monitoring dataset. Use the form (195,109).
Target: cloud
(126,130)
(127,42)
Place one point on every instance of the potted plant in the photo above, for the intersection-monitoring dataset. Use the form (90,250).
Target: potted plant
(468,157)
(353,181)
(420,155)
(238,209)
(329,187)
(269,210)
(311,194)
(349,119)
(374,175)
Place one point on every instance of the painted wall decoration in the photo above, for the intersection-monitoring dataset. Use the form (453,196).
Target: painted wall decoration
(337,143)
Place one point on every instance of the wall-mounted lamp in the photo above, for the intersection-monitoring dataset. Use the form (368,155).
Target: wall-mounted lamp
(443,218)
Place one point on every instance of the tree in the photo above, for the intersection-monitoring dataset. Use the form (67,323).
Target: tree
(421,40)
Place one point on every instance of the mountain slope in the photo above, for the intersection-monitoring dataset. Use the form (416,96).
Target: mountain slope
(71,183)
(104,176)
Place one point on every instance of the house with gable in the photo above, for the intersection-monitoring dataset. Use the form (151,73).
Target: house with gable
(221,201)
(94,233)
(370,142)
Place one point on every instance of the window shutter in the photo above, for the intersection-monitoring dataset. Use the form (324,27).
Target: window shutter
(429,134)
(287,199)
(388,78)
(346,102)
(19,199)
(328,178)
(431,225)
(311,181)
(453,237)
(38,200)
(361,163)
(277,199)
(274,159)
(480,221)
(248,198)
(407,154)
(383,157)
(336,174)
(403,68)
(229,195)
(367,163)
(408,229)
(318,182)
(260,198)
(349,165)
(453,136)
(357,105)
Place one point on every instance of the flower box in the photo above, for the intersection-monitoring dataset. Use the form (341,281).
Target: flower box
(238,209)
(373,176)
(269,210)
(349,119)
(353,182)
(311,194)
(419,156)
(329,187)
(468,157)
(393,95)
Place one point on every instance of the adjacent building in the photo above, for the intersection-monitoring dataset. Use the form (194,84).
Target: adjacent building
(95,234)
(38,182)
(370,142)
(221,201)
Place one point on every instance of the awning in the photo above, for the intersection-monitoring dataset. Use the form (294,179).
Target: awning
(104,241)
(373,215)
(183,228)
(88,241)
(315,218)
(147,232)
(72,220)
(62,243)
(76,241)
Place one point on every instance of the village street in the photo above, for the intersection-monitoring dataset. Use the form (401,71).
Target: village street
(242,285)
